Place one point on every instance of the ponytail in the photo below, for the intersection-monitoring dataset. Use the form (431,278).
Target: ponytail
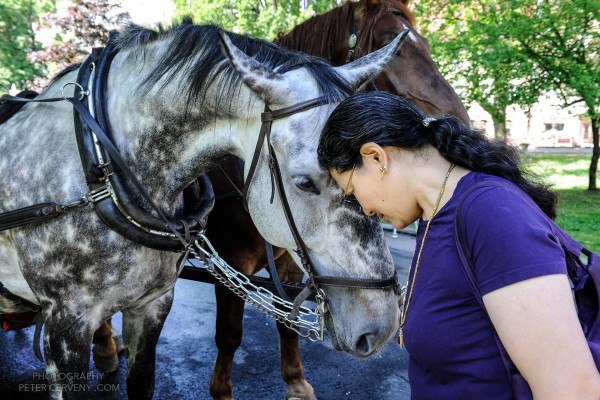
(471,149)
(390,120)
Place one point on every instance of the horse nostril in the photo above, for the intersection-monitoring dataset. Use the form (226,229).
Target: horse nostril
(364,345)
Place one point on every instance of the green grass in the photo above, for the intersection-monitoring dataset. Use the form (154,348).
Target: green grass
(578,208)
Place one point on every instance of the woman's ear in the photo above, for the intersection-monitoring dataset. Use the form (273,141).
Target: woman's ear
(373,153)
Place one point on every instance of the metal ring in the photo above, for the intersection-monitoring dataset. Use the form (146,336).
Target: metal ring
(83,93)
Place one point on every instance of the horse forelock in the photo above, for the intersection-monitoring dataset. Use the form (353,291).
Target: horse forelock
(334,25)
(371,16)
(196,51)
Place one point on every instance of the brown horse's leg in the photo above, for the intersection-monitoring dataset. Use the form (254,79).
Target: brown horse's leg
(230,313)
(105,348)
(292,370)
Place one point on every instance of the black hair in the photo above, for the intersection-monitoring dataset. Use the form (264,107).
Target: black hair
(390,120)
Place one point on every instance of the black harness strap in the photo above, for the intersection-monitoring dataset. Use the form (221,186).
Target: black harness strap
(8,108)
(118,159)
(127,217)
(273,272)
(28,215)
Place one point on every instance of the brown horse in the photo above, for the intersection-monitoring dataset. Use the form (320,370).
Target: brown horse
(412,74)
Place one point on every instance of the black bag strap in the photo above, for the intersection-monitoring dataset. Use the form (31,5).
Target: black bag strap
(468,268)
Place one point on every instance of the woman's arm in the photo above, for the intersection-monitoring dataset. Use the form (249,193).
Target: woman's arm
(538,325)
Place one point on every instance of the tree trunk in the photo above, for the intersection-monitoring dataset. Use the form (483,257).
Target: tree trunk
(498,118)
(595,153)
(499,129)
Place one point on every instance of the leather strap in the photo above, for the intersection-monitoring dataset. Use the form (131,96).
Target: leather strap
(118,159)
(357,283)
(468,268)
(352,31)
(16,99)
(267,117)
(28,215)
(273,272)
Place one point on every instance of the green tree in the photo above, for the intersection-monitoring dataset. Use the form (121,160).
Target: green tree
(81,26)
(262,19)
(511,51)
(565,49)
(17,38)
(470,44)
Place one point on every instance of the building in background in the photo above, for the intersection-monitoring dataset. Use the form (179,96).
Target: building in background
(546,125)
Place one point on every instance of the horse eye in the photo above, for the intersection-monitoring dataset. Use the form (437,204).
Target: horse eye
(305,184)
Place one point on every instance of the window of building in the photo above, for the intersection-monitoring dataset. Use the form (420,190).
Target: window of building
(557,126)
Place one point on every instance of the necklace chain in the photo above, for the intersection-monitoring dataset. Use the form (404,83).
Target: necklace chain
(405,292)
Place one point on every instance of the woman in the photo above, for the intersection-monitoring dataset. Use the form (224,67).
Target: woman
(401,166)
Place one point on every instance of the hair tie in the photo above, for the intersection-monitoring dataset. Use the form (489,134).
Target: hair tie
(427,120)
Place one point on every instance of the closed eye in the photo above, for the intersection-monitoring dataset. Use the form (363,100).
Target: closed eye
(306,184)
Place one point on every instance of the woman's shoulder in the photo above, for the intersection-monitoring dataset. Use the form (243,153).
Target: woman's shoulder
(480,191)
(508,236)
(497,203)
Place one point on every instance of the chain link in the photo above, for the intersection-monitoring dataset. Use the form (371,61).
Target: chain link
(309,324)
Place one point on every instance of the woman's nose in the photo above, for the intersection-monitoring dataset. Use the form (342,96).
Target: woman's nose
(369,213)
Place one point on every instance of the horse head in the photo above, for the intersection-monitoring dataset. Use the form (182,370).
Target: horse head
(341,241)
(412,74)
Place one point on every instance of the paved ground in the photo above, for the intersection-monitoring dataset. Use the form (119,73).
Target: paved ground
(186,353)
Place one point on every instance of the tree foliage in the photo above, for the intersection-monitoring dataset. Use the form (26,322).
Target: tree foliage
(79,27)
(511,51)
(259,18)
(566,51)
(470,42)
(17,39)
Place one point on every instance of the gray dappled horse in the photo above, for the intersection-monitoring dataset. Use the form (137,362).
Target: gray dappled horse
(176,107)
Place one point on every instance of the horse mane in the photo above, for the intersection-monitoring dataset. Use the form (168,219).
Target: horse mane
(334,27)
(68,68)
(308,36)
(186,40)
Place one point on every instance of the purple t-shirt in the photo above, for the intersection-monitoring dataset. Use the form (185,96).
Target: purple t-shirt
(452,350)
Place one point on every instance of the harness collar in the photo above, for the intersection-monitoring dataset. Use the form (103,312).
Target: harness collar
(119,210)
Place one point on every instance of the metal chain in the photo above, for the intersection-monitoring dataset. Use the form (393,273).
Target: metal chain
(309,324)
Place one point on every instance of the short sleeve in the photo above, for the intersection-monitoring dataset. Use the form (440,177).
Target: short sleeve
(509,239)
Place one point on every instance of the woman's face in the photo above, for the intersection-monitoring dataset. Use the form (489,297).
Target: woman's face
(388,195)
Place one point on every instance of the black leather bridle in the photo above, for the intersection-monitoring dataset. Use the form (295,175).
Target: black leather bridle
(315,281)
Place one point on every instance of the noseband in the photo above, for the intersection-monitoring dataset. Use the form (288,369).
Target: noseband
(315,282)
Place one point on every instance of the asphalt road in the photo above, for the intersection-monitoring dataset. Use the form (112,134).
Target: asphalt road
(186,354)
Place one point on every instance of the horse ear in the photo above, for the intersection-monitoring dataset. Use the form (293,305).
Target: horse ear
(270,86)
(369,66)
